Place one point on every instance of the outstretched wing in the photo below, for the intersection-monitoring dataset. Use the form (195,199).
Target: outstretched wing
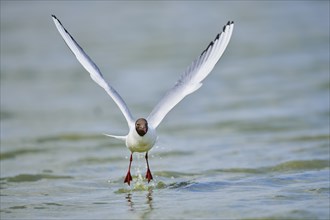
(94,71)
(192,78)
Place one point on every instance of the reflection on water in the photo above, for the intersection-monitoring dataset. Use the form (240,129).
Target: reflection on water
(146,210)
(129,201)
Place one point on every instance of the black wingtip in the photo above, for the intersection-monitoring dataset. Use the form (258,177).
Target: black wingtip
(210,45)
(224,27)
(53,16)
(228,24)
(217,37)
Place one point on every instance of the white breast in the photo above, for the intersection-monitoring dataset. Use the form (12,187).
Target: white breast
(136,143)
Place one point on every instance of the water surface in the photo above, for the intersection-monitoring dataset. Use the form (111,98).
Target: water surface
(252,143)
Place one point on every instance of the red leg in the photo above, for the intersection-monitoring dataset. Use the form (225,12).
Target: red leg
(148,175)
(128,177)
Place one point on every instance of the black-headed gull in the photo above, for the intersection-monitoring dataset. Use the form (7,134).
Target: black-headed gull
(142,132)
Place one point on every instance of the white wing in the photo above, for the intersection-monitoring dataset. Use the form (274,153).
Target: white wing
(192,78)
(94,71)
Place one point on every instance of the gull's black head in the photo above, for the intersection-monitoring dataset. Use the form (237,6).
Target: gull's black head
(141,126)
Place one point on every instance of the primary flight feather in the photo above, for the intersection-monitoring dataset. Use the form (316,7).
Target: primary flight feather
(142,132)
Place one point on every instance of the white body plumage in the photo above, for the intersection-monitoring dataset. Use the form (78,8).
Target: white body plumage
(137,143)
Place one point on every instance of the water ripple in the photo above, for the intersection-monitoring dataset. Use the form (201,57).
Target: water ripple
(15,153)
(69,137)
(32,177)
(294,165)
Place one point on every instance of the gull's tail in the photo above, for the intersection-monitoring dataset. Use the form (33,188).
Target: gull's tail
(123,138)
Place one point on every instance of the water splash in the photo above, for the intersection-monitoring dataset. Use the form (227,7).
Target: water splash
(139,183)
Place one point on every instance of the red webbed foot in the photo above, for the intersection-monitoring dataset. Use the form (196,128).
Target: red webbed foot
(148,175)
(128,178)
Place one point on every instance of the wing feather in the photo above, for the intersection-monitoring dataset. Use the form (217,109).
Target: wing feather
(93,70)
(191,79)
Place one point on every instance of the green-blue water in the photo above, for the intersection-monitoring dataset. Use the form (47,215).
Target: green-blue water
(252,143)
